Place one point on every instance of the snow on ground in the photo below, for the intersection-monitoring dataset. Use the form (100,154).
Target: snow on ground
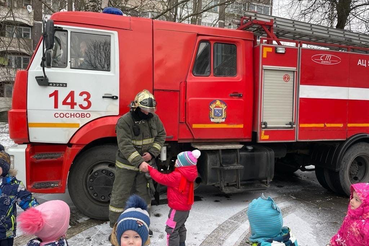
(221,220)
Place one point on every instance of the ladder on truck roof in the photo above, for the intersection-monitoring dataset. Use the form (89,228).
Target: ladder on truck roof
(277,28)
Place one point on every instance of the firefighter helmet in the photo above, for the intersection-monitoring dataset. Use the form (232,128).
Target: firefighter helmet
(145,101)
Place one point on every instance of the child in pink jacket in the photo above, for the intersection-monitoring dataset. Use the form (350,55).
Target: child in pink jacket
(354,230)
(180,193)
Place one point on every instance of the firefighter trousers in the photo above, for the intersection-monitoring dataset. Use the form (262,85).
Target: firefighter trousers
(126,183)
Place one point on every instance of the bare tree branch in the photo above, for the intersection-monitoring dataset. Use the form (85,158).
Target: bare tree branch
(170,9)
(207,9)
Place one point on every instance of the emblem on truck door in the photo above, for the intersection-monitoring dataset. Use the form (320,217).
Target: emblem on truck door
(218,111)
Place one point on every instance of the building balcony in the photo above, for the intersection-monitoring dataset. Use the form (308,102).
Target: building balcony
(20,15)
(16,45)
(7,74)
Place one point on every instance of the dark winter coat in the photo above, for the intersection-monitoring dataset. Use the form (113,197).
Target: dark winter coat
(12,192)
(136,137)
(37,242)
(180,186)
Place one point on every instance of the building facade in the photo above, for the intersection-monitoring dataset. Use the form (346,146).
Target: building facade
(19,34)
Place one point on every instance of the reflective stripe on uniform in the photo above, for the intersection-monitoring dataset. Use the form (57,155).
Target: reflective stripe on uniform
(125,166)
(157,146)
(143,142)
(114,209)
(133,155)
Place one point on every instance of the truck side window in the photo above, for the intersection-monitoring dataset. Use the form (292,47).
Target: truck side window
(202,63)
(90,51)
(225,60)
(60,50)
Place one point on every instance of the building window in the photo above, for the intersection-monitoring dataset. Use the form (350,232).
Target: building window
(259,8)
(203,23)
(27,2)
(18,62)
(152,15)
(17,32)
(11,3)
(53,4)
(8,90)
(90,51)
(235,8)
(202,63)
(225,60)
(216,8)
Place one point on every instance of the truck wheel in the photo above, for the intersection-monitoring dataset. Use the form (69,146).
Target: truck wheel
(320,176)
(91,180)
(354,168)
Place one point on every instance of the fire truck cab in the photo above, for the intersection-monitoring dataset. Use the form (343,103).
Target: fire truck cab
(250,103)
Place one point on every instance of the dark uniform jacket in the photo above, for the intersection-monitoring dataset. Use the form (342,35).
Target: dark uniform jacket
(137,136)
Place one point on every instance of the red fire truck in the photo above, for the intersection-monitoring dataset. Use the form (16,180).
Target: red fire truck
(273,94)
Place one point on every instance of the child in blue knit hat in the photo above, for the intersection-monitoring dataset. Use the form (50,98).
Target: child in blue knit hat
(132,226)
(266,223)
(12,193)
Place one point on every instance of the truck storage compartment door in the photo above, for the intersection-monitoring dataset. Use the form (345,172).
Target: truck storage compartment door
(278,99)
(219,93)
(276,91)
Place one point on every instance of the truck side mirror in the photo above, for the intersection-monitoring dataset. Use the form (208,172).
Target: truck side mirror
(49,34)
(48,58)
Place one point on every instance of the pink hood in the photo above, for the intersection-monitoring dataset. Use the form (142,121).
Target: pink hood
(354,230)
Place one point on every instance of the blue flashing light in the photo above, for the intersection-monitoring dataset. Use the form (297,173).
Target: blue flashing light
(111,10)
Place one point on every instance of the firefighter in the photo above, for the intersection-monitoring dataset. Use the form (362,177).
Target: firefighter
(140,136)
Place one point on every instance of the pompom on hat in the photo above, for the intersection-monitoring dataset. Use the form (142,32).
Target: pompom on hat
(135,217)
(188,158)
(4,161)
(48,221)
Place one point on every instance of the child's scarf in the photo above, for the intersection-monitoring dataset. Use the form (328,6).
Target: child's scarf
(182,189)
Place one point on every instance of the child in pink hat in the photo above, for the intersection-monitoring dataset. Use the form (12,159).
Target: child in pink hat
(49,222)
(354,230)
(180,194)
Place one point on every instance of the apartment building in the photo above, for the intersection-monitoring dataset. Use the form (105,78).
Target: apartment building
(20,29)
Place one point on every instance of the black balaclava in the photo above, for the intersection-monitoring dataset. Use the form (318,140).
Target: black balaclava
(138,115)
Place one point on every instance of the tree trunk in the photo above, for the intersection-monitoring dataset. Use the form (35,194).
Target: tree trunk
(343,12)
(70,5)
(197,6)
(222,14)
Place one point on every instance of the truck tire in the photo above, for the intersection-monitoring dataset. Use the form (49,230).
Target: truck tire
(320,176)
(91,180)
(354,168)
